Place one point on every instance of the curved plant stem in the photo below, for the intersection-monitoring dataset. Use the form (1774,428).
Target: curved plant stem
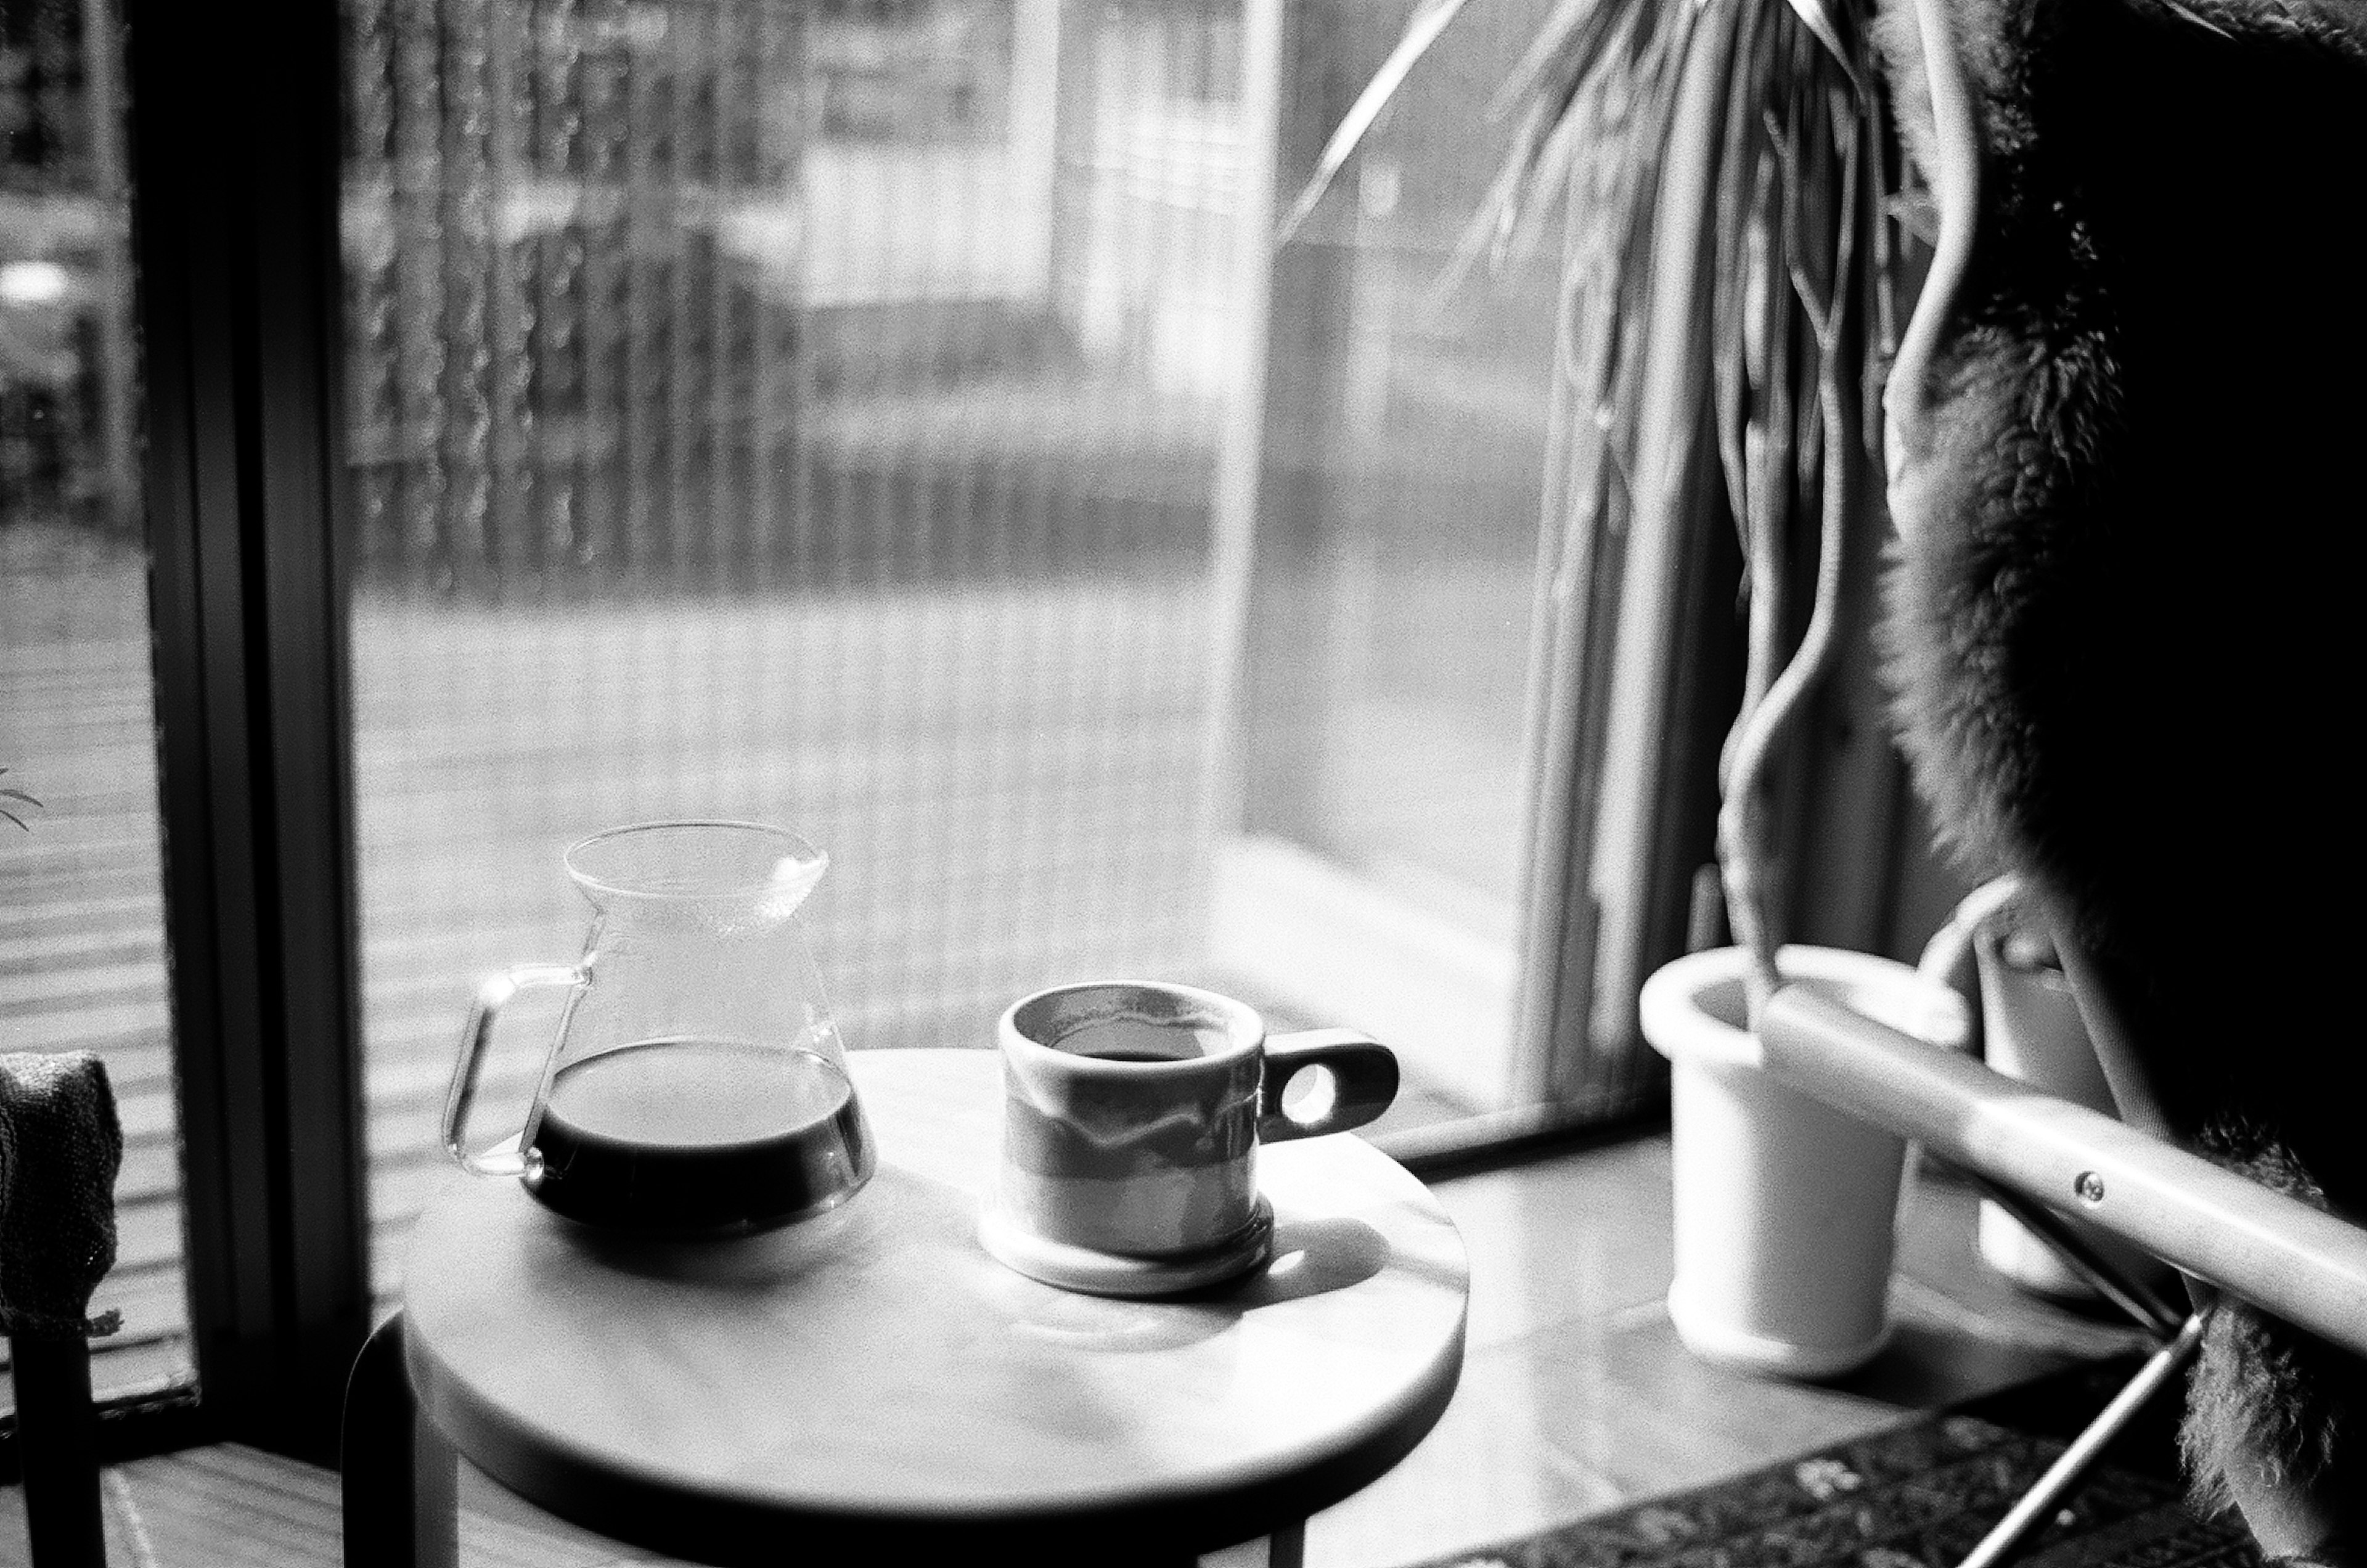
(1745,847)
(1957,193)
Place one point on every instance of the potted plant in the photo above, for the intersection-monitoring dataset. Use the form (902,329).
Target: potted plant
(1731,246)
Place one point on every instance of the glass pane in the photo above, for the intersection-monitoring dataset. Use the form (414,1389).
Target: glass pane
(1407,448)
(82,943)
(797,413)
(819,413)
(1446,372)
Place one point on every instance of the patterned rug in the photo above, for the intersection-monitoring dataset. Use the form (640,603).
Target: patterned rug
(1919,1496)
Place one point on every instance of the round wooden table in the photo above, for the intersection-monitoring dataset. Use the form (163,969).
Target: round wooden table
(875,1382)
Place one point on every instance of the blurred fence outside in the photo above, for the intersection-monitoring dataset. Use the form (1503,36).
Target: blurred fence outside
(736,291)
(81,951)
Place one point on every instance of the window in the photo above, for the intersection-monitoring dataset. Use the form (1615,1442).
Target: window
(82,917)
(888,418)
(1374,877)
(782,415)
(836,417)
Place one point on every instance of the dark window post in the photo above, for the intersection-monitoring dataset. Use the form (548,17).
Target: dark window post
(234,162)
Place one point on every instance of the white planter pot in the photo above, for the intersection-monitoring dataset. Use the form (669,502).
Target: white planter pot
(2031,1029)
(1785,1208)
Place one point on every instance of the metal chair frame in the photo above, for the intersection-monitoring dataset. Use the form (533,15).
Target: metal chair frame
(2039,1156)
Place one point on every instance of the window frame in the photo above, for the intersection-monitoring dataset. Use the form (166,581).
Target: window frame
(239,294)
(236,128)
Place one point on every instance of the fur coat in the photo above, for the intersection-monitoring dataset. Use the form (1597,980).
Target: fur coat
(2125,617)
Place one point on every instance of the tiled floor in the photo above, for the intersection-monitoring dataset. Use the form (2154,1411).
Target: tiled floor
(1575,1397)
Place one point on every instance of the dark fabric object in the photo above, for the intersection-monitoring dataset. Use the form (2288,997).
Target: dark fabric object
(2122,615)
(60,1149)
(1919,1496)
(2122,626)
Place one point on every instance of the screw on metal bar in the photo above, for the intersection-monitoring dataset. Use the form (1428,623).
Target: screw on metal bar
(2114,1282)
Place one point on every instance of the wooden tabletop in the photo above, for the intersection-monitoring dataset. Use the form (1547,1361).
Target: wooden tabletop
(873,1380)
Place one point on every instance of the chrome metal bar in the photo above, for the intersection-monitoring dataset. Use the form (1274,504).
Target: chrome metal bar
(2036,1504)
(2292,1260)
(2132,1296)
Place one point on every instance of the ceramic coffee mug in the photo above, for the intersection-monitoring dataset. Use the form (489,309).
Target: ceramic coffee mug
(1133,1112)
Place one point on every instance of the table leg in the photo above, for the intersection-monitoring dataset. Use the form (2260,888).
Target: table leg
(1285,1548)
(57,1431)
(400,1480)
(434,1498)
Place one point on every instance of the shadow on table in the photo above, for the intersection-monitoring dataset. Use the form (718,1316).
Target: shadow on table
(1313,1255)
(1310,1256)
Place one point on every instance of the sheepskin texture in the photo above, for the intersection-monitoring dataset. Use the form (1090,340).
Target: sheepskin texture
(2124,616)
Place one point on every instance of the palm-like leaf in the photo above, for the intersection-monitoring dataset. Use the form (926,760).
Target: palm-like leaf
(21,797)
(1429,23)
(1793,253)
(1790,269)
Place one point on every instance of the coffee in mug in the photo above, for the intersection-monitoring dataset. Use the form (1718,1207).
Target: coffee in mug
(1132,1115)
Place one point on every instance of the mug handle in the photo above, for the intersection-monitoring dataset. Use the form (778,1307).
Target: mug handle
(491,996)
(1363,1075)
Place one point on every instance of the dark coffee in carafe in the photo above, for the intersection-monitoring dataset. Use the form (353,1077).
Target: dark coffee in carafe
(696,1137)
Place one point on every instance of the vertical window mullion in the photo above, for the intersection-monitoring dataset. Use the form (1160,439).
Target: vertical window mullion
(234,163)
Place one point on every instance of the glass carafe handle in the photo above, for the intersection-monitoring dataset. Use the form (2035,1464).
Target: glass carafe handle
(490,996)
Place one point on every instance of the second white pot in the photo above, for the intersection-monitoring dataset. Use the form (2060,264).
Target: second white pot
(1785,1208)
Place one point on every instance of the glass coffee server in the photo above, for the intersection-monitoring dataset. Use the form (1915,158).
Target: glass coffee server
(696,1085)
